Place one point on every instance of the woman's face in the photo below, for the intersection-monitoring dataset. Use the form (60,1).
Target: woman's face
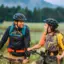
(19,24)
(48,28)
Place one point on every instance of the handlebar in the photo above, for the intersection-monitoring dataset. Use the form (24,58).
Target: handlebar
(42,54)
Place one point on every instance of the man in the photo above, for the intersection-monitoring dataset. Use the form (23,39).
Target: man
(19,38)
(53,41)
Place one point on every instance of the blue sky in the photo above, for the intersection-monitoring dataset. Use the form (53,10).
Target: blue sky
(57,2)
(30,2)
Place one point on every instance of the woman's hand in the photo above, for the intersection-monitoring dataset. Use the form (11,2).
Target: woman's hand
(29,49)
(34,47)
(59,57)
(46,28)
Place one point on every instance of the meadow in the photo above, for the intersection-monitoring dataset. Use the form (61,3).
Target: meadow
(36,30)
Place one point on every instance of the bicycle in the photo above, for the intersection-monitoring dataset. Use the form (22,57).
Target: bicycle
(44,57)
(6,60)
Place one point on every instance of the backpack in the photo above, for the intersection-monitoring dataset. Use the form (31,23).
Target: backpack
(12,28)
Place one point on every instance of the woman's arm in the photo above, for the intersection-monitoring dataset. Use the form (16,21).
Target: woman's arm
(61,45)
(41,43)
(60,41)
(4,38)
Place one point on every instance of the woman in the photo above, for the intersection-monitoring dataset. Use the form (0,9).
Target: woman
(19,38)
(52,39)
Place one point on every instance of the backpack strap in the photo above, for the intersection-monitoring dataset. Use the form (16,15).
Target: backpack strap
(23,30)
(11,29)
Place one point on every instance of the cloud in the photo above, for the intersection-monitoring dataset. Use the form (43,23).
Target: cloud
(57,2)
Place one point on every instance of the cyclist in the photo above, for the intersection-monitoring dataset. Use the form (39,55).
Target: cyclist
(19,38)
(51,39)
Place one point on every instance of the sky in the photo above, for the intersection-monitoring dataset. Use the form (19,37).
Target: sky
(57,2)
(31,3)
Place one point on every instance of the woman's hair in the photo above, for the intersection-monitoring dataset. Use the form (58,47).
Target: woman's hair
(57,31)
(54,30)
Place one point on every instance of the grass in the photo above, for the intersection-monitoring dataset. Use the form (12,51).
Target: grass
(36,30)
(33,26)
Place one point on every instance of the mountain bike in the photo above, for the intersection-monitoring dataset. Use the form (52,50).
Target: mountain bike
(44,58)
(6,60)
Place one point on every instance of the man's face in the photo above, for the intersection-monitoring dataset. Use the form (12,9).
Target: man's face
(19,24)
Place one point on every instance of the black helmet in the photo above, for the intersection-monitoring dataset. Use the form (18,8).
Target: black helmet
(19,16)
(52,22)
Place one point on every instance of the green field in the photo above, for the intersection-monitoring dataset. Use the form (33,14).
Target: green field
(35,33)
(36,30)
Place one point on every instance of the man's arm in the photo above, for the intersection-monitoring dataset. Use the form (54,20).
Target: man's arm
(4,38)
